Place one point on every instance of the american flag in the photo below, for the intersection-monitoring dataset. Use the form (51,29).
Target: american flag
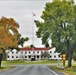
(34,14)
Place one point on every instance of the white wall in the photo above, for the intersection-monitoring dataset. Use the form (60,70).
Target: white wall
(53,54)
(21,54)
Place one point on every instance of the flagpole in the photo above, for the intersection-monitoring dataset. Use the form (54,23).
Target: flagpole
(32,34)
(32,28)
(33,31)
(33,15)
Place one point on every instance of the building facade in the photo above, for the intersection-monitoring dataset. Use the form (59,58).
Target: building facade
(32,54)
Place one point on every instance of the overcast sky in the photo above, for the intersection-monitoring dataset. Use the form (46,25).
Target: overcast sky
(22,11)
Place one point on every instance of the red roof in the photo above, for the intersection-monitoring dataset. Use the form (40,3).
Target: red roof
(36,49)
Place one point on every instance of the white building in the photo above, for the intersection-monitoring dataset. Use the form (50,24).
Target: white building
(32,53)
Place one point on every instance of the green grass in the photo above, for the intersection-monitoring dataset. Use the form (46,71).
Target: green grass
(11,64)
(29,62)
(70,71)
(67,71)
(6,67)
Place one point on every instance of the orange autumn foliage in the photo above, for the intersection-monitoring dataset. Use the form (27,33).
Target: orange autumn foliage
(8,33)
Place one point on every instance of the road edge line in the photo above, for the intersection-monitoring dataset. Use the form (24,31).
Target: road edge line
(51,70)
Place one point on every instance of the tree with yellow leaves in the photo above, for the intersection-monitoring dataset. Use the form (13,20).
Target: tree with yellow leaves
(8,35)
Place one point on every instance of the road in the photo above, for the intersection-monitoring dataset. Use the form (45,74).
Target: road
(30,70)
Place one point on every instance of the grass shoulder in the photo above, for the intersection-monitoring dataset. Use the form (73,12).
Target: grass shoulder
(66,70)
(6,68)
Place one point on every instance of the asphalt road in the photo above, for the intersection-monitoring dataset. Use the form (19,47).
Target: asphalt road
(30,70)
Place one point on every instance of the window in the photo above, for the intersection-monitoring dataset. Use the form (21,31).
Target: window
(12,52)
(59,55)
(21,52)
(29,56)
(41,52)
(8,56)
(41,56)
(7,52)
(12,56)
(54,56)
(37,52)
(37,56)
(34,52)
(25,56)
(50,52)
(17,52)
(50,56)
(16,56)
(34,56)
(25,52)
(29,52)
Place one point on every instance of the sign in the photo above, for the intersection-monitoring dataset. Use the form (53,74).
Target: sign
(64,57)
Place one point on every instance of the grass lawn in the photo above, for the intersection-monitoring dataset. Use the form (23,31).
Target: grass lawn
(29,62)
(67,71)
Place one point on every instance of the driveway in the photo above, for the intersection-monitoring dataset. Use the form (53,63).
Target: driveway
(30,70)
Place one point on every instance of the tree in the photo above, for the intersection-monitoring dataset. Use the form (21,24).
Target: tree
(8,35)
(1,55)
(5,55)
(74,56)
(45,55)
(32,46)
(22,40)
(47,45)
(59,25)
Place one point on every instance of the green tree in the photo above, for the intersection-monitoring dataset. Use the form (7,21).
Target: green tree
(74,56)
(59,25)
(22,40)
(32,46)
(45,55)
(47,45)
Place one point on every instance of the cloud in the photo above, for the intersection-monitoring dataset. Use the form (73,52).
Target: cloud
(21,11)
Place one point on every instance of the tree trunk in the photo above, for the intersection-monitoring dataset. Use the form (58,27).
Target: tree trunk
(0,64)
(69,53)
(70,58)
(1,56)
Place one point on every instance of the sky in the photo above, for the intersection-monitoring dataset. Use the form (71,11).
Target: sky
(22,11)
